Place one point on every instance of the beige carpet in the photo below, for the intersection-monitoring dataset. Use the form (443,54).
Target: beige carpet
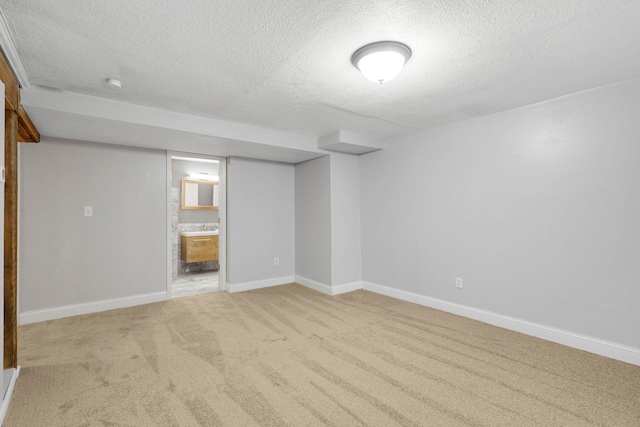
(289,356)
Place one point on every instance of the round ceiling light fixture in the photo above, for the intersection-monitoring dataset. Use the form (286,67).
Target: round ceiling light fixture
(380,62)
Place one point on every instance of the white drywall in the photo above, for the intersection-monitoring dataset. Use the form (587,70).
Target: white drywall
(313,222)
(536,209)
(70,260)
(82,117)
(260,223)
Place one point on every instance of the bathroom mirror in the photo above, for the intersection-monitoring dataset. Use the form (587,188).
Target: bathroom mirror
(199,194)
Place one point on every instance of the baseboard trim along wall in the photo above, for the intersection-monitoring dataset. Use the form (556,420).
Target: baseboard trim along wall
(248,286)
(347,287)
(43,315)
(316,286)
(7,397)
(571,339)
(328,289)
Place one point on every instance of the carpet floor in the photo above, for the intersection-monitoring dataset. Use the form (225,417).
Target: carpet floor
(290,356)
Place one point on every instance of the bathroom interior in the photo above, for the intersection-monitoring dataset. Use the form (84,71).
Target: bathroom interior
(195,226)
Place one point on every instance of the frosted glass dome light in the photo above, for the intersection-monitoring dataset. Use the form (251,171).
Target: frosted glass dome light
(380,62)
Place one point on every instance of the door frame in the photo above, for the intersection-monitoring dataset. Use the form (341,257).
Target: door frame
(222,218)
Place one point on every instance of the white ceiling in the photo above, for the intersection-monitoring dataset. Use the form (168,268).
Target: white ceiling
(285,64)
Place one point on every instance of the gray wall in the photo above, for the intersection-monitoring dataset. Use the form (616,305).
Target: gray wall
(180,169)
(537,209)
(66,258)
(345,219)
(313,220)
(260,222)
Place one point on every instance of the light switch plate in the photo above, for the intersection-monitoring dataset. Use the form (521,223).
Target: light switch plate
(88,211)
(2,175)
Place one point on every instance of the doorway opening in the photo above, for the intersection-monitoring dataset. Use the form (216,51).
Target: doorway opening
(196,232)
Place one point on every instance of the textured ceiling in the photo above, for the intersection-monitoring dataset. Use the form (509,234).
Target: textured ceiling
(285,64)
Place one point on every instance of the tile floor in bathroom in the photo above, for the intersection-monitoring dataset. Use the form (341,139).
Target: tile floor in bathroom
(195,283)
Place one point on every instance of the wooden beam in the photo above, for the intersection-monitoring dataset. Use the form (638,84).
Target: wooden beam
(11,240)
(17,125)
(12,108)
(27,132)
(11,85)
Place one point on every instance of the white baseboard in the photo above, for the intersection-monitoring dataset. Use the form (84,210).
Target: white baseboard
(89,307)
(328,289)
(571,339)
(248,286)
(316,286)
(347,287)
(7,397)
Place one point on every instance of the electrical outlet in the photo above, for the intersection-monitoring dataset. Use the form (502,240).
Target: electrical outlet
(88,211)
(459,282)
(276,261)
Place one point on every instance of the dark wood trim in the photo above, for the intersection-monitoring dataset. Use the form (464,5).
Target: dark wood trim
(17,124)
(11,85)
(27,131)
(11,240)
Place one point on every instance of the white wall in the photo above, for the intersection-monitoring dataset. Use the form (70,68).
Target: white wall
(260,223)
(345,222)
(537,209)
(71,264)
(313,223)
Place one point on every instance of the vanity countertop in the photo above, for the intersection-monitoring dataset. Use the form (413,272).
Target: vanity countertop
(199,233)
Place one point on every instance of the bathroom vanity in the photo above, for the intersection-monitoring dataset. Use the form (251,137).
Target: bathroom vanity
(199,246)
